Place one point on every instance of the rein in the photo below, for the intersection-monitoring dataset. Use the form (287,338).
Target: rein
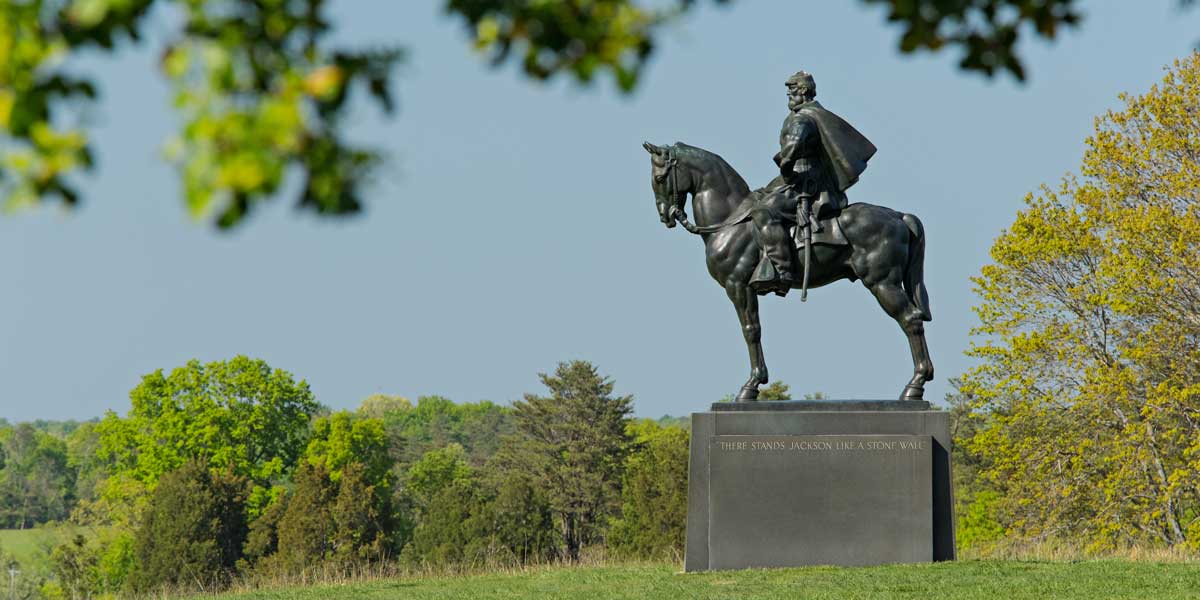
(680,215)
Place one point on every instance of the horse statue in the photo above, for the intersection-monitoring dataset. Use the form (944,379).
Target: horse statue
(882,247)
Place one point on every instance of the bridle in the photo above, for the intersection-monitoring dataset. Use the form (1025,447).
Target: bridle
(671,174)
(678,198)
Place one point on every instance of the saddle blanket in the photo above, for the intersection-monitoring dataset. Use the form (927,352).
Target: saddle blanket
(828,232)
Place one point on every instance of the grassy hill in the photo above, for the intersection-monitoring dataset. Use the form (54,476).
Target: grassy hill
(31,547)
(988,580)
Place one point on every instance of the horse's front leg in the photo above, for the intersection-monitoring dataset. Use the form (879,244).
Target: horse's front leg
(746,303)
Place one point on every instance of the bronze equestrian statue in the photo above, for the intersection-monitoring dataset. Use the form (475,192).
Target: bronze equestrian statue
(754,239)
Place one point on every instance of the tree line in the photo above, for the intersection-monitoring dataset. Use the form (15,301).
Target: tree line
(232,469)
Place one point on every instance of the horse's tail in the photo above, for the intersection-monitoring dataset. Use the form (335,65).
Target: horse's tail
(914,276)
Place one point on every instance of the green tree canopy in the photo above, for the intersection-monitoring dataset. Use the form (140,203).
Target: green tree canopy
(1089,337)
(36,481)
(436,471)
(239,416)
(379,405)
(436,422)
(82,445)
(343,438)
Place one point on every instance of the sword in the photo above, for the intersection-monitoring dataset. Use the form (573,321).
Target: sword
(806,226)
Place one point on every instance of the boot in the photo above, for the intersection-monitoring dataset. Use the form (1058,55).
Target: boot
(768,278)
(774,272)
(783,283)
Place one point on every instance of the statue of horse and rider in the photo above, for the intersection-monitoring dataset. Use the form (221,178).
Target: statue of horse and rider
(799,231)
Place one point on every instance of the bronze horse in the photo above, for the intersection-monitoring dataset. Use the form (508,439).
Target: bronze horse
(885,249)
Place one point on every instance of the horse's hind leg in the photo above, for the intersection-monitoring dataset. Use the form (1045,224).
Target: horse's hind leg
(746,303)
(891,296)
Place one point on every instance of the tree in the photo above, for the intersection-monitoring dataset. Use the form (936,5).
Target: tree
(520,518)
(653,494)
(239,416)
(343,439)
(485,516)
(379,405)
(339,511)
(97,564)
(436,422)
(355,452)
(976,500)
(262,537)
(436,471)
(74,565)
(193,529)
(36,484)
(262,91)
(444,494)
(777,390)
(83,444)
(259,88)
(362,519)
(1090,344)
(986,31)
(307,526)
(572,444)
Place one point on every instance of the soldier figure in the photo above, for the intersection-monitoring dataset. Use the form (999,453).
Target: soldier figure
(820,156)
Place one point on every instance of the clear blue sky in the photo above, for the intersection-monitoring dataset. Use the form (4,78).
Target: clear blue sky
(548,186)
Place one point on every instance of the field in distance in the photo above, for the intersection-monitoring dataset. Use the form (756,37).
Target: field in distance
(31,547)
(982,579)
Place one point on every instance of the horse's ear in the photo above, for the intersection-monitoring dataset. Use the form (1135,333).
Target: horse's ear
(651,148)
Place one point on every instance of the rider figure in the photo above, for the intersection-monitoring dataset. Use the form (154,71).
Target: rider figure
(820,157)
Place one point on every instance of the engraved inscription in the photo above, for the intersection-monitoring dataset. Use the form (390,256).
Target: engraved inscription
(810,445)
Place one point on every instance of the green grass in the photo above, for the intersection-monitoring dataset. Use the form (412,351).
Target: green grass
(990,580)
(31,547)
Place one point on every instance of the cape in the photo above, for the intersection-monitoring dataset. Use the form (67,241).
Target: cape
(847,149)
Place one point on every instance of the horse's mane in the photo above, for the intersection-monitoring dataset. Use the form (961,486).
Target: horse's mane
(712,162)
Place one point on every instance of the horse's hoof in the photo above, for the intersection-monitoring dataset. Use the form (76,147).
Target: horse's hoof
(747,395)
(913,392)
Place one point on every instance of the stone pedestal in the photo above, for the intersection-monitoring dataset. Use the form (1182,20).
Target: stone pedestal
(778,484)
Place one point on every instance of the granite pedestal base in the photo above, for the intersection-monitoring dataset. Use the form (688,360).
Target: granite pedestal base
(778,484)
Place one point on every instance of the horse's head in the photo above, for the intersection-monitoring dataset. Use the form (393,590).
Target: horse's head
(666,180)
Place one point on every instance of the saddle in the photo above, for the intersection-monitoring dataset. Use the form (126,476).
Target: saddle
(828,231)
